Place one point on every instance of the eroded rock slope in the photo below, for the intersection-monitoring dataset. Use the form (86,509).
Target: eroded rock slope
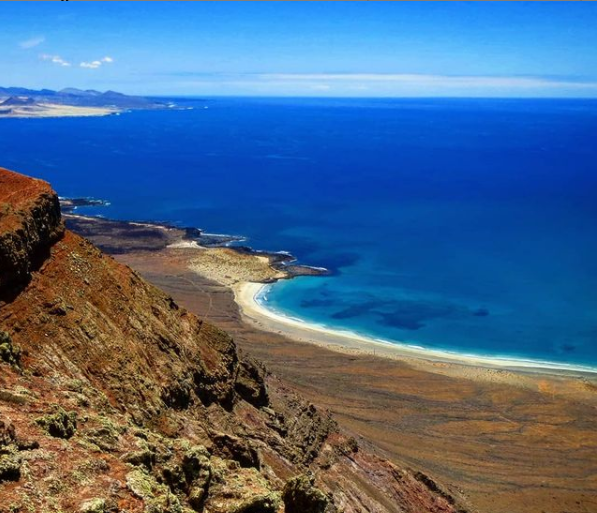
(114,399)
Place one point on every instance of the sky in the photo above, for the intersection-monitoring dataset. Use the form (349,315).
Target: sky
(344,49)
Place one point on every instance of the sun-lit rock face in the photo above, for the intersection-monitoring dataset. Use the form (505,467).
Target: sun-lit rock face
(115,399)
(30,224)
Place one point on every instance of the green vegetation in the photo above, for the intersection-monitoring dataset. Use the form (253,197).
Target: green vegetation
(61,424)
(10,467)
(9,352)
(301,496)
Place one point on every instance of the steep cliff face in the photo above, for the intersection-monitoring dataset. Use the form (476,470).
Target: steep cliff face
(114,399)
(29,225)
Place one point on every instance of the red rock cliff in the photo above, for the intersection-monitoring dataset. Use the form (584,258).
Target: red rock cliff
(29,225)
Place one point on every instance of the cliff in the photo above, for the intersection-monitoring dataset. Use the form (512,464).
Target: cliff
(30,224)
(115,399)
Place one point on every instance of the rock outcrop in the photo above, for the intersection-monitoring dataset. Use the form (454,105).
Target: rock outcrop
(30,224)
(114,399)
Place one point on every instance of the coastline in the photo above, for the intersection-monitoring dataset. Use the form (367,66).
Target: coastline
(50,110)
(246,295)
(474,426)
(246,272)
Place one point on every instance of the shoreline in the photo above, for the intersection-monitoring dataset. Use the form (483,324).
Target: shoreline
(55,110)
(254,312)
(283,263)
(247,271)
(474,426)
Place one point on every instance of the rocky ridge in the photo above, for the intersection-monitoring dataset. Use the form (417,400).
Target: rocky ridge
(114,399)
(77,97)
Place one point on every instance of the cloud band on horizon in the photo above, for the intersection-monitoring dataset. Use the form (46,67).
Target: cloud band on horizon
(435,80)
(385,84)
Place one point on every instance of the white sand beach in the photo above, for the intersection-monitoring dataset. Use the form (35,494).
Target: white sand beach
(255,313)
(247,275)
(52,110)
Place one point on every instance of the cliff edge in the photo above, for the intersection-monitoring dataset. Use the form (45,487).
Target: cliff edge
(114,399)
(30,224)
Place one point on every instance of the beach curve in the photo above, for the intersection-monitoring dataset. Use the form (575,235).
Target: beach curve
(253,311)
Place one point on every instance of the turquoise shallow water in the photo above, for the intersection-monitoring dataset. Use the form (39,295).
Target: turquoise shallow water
(461,225)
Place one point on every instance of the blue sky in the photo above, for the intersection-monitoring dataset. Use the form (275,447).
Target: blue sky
(513,49)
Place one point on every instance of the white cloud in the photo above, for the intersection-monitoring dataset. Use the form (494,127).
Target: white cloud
(320,87)
(391,84)
(91,65)
(97,64)
(56,59)
(460,81)
(31,43)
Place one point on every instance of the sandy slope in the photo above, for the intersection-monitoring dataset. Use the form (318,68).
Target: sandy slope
(50,110)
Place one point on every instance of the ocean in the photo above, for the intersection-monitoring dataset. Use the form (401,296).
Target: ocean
(465,225)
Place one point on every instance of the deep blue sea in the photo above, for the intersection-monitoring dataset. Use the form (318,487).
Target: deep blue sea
(463,225)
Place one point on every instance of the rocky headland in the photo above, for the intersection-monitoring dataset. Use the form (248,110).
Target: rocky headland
(113,398)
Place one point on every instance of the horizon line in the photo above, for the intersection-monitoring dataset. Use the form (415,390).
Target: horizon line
(330,97)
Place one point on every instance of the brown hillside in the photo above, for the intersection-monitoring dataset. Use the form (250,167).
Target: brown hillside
(114,399)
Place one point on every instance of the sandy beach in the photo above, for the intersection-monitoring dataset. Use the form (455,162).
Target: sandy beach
(247,293)
(51,110)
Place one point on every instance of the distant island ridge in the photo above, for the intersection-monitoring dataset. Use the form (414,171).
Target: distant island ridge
(20,102)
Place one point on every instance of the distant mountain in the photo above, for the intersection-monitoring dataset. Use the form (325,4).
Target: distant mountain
(16,91)
(78,92)
(78,98)
(18,100)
